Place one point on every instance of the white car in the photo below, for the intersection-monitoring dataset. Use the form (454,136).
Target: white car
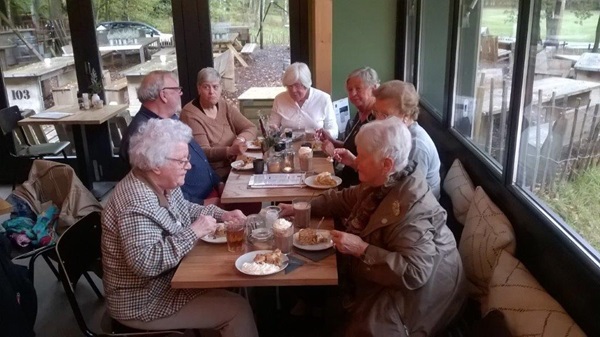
(165,38)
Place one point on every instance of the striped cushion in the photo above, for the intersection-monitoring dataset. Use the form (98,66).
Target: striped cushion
(487,232)
(459,188)
(528,309)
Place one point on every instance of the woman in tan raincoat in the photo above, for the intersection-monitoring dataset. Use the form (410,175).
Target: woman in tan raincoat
(402,270)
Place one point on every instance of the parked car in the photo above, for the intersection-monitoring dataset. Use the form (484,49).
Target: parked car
(165,38)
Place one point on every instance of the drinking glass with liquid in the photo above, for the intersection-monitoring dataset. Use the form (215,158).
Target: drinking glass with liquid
(284,234)
(235,231)
(301,213)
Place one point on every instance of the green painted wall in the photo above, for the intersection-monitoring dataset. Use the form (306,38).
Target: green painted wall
(364,34)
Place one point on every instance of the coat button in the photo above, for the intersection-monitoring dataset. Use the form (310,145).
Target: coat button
(384,220)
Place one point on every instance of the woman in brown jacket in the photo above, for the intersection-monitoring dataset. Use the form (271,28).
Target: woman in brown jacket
(218,127)
(404,273)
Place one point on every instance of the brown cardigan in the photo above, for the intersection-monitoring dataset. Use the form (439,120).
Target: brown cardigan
(216,135)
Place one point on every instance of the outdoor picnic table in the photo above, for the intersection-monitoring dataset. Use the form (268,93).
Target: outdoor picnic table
(24,84)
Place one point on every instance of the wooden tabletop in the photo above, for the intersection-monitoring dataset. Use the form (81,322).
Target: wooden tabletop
(212,266)
(86,117)
(155,63)
(41,68)
(258,93)
(236,188)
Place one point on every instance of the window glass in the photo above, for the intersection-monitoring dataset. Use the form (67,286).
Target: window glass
(484,75)
(558,159)
(433,54)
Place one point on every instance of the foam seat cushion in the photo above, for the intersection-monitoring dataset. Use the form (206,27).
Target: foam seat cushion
(528,309)
(486,234)
(459,187)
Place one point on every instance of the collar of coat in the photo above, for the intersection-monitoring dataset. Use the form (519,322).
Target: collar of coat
(410,189)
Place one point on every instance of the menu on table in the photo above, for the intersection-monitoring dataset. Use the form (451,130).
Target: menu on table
(276,180)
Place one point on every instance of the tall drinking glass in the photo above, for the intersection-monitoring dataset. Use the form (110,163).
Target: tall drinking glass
(301,213)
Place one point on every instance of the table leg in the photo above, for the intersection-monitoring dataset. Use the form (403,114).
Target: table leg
(92,141)
(142,57)
(237,55)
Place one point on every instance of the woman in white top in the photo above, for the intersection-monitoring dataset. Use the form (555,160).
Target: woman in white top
(303,107)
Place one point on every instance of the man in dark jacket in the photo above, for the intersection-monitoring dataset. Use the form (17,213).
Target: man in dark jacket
(160,95)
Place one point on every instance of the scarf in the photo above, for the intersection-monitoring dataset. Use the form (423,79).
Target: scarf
(360,216)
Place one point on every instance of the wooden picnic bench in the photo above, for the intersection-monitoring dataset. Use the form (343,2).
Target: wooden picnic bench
(248,48)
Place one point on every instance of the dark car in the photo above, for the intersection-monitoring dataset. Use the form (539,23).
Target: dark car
(150,31)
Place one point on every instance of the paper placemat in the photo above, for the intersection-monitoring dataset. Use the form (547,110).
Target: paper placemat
(276,180)
(315,256)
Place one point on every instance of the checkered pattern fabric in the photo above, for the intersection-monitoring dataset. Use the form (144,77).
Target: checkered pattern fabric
(142,243)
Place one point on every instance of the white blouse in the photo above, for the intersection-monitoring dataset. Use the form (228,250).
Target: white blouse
(316,112)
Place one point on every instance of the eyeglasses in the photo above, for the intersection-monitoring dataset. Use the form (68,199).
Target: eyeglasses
(182,162)
(179,89)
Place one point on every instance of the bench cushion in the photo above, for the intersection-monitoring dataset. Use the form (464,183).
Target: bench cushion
(486,234)
(460,189)
(528,309)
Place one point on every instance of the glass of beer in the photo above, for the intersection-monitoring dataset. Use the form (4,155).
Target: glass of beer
(235,232)
(301,213)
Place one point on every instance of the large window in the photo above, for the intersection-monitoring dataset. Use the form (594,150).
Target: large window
(558,156)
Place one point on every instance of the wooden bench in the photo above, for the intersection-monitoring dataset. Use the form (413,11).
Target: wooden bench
(65,95)
(248,48)
(164,51)
(117,91)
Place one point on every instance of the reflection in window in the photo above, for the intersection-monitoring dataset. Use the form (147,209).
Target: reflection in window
(560,149)
(432,54)
(484,75)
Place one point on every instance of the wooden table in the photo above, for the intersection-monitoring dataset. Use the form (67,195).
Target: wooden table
(212,266)
(237,191)
(563,88)
(142,45)
(256,99)
(136,73)
(230,42)
(92,139)
(24,84)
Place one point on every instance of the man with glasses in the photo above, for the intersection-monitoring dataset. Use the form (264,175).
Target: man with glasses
(160,95)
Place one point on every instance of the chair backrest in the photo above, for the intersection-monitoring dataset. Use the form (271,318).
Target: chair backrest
(78,251)
(9,118)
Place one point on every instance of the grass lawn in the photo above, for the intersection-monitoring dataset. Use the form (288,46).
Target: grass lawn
(495,19)
(577,202)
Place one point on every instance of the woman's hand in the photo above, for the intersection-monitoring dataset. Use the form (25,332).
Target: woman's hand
(235,215)
(204,225)
(347,243)
(344,156)
(328,148)
(323,136)
(236,148)
(286,210)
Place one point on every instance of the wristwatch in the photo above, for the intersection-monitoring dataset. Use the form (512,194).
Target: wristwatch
(242,139)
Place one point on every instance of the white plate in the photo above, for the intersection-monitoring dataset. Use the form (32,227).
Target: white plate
(212,239)
(318,246)
(239,165)
(249,257)
(252,146)
(311,181)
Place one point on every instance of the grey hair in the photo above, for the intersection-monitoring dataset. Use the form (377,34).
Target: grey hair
(404,96)
(207,74)
(386,138)
(297,72)
(154,141)
(367,75)
(152,84)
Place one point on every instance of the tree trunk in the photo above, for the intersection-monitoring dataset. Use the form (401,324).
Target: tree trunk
(597,39)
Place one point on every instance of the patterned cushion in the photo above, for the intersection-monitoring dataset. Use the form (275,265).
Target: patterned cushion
(459,188)
(487,232)
(528,309)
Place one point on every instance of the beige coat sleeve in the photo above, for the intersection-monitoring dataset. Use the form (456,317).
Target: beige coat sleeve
(240,124)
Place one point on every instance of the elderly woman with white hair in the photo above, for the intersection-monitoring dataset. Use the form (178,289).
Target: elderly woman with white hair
(148,227)
(404,273)
(218,126)
(301,106)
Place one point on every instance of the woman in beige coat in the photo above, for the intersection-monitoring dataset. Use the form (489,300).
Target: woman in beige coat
(404,273)
(218,127)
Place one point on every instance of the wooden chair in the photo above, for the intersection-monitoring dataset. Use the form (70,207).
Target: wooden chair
(17,143)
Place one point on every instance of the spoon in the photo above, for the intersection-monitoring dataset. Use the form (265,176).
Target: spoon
(320,222)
